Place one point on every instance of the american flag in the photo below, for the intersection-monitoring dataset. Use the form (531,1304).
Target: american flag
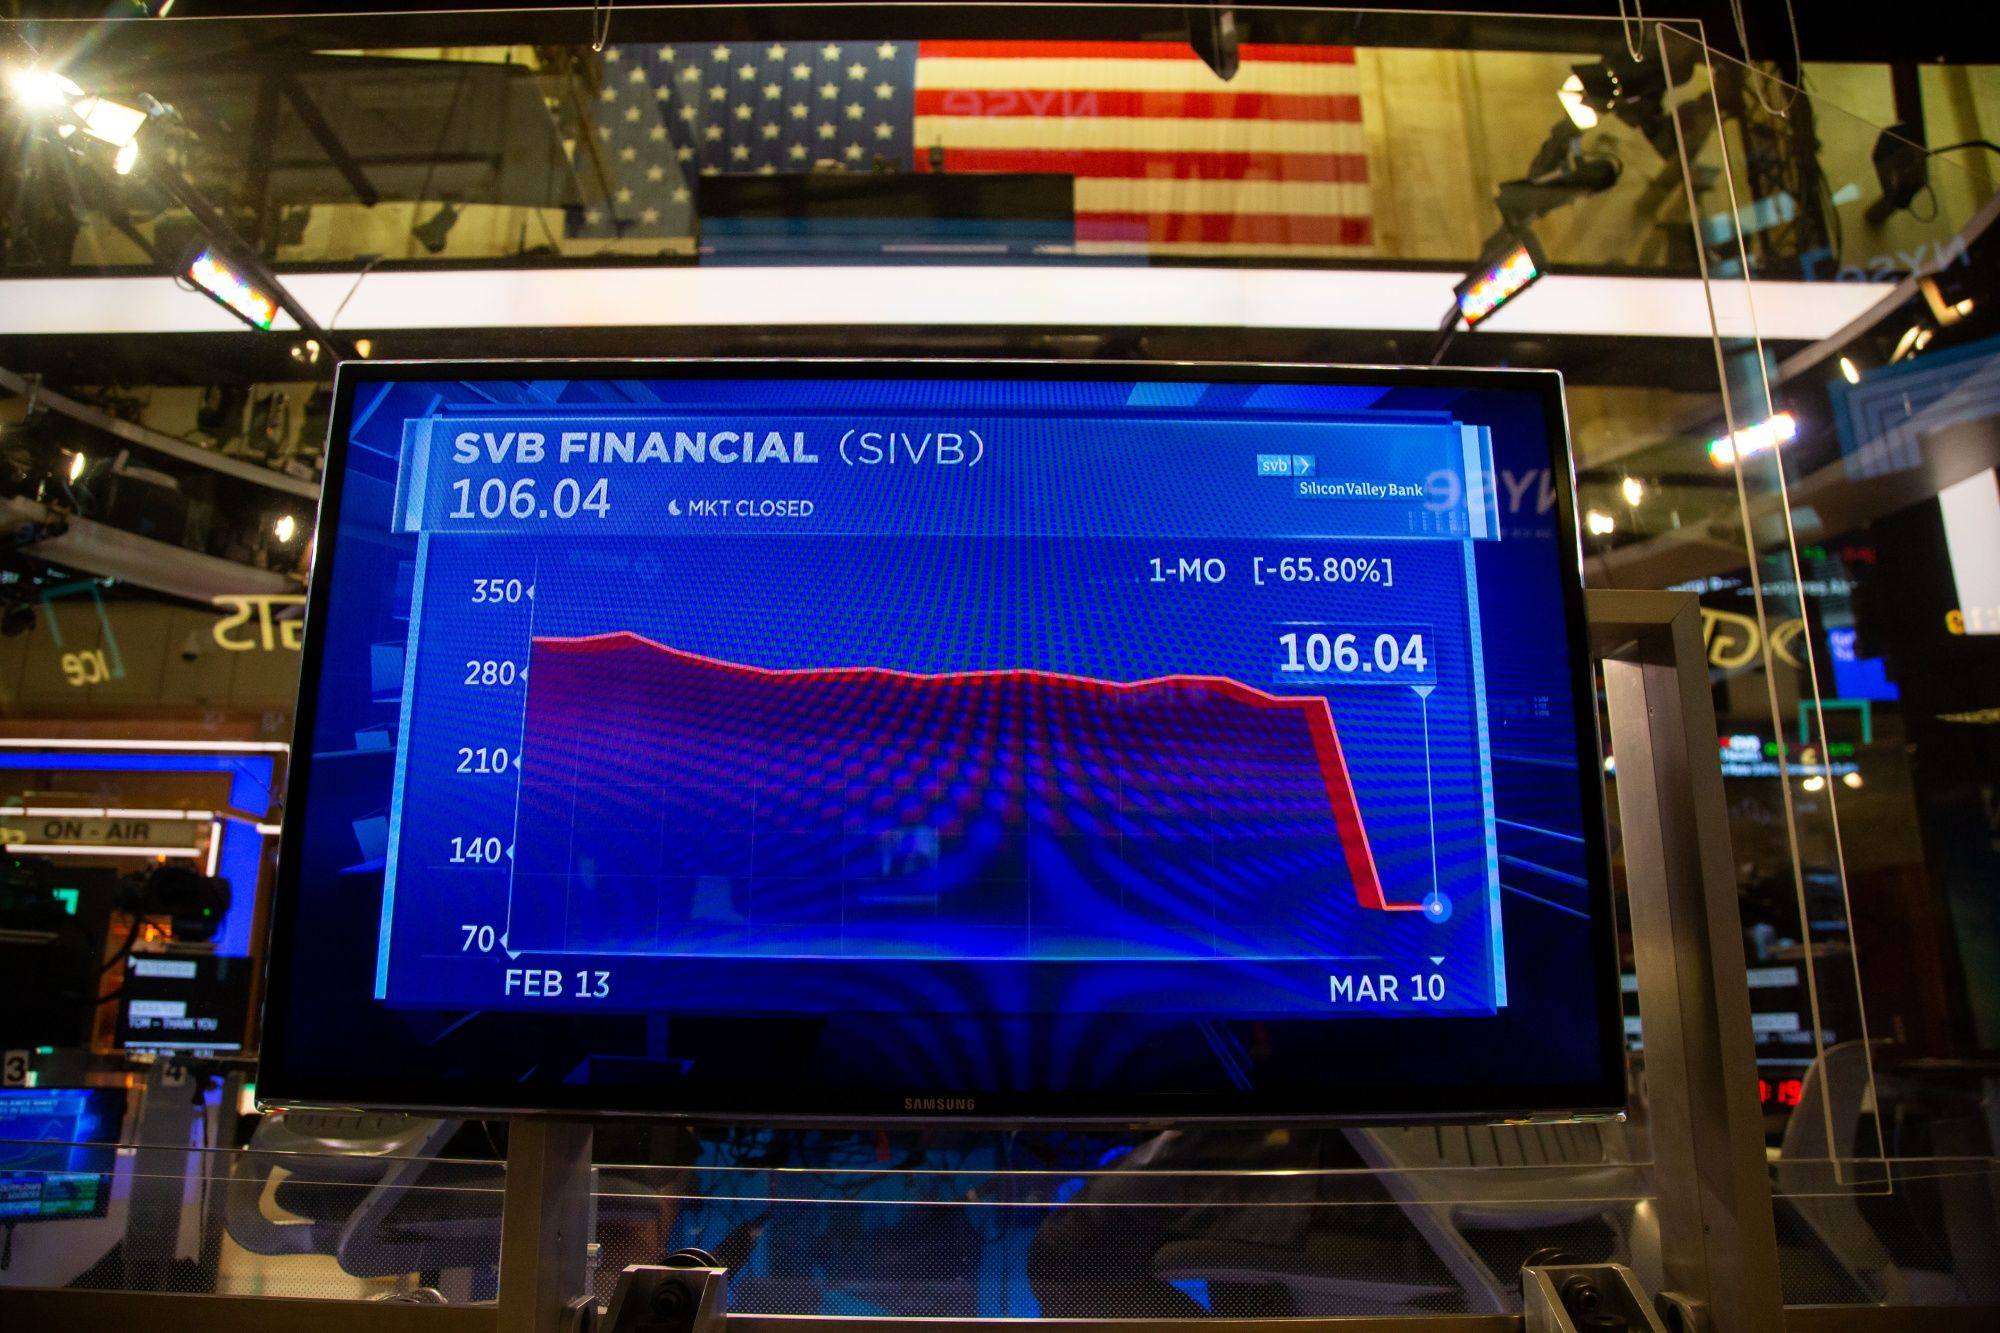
(668,115)
(1167,157)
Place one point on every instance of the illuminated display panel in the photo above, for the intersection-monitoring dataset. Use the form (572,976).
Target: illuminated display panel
(849,739)
(56,1153)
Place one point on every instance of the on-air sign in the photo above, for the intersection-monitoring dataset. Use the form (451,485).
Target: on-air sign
(102,831)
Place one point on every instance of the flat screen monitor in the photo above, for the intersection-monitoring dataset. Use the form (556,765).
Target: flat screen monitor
(57,1150)
(191,1003)
(993,740)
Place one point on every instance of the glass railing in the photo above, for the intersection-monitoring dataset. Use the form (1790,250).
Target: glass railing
(939,1224)
(957,1227)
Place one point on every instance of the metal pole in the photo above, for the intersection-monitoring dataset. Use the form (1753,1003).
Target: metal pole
(159,1174)
(1718,1242)
(544,1223)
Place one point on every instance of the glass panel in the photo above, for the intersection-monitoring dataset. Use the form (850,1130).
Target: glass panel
(1845,612)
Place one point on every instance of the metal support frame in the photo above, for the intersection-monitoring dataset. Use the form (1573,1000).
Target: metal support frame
(545,1223)
(1563,1298)
(1718,1241)
(328,140)
(687,1294)
(167,1117)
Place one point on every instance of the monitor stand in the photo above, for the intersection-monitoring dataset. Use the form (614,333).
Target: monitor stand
(1718,1247)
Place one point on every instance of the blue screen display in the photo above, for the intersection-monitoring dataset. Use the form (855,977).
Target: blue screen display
(56,1156)
(990,740)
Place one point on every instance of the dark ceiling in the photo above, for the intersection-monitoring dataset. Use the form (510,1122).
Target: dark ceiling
(1829,30)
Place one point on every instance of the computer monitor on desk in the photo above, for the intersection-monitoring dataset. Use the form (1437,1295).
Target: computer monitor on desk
(932,739)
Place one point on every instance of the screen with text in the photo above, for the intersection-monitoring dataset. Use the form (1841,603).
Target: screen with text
(970,734)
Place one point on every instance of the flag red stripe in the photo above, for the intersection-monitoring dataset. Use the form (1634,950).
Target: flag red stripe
(1055,103)
(1256,228)
(1296,55)
(1347,168)
(1008,50)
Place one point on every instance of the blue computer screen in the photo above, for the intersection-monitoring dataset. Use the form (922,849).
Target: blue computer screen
(56,1153)
(1003,739)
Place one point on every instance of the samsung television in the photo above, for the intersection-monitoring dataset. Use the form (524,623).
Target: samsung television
(856,740)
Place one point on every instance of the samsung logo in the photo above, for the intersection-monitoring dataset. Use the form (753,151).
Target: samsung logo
(938,1104)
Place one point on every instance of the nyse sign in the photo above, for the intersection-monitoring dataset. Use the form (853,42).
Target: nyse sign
(235,632)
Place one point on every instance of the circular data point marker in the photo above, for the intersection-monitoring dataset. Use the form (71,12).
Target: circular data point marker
(1437,907)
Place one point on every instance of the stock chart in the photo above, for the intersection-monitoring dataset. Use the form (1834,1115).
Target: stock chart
(978,706)
(888,738)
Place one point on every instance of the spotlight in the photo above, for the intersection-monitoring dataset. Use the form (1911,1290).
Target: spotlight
(1631,90)
(1851,779)
(1915,339)
(78,461)
(1814,783)
(364,348)
(1601,85)
(1498,281)
(109,122)
(41,89)
(432,233)
(99,118)
(1634,491)
(285,529)
(1780,428)
(1599,523)
(219,280)
(1848,371)
(1581,113)
(306,352)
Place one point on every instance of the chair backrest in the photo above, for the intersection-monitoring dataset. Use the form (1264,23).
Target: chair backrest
(1811,1178)
(317,1170)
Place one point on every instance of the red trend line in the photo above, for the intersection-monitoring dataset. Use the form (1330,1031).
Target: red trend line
(1318,718)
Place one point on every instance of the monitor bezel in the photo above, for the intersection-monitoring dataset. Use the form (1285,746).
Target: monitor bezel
(281,1088)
